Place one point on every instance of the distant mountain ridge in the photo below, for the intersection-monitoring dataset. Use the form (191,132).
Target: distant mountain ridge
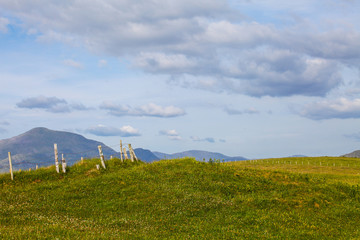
(354,154)
(36,147)
(198,155)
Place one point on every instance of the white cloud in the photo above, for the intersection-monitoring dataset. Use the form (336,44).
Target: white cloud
(73,63)
(4,22)
(102,63)
(341,108)
(171,134)
(148,110)
(125,131)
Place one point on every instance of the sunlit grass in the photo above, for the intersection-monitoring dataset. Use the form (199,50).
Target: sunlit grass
(184,199)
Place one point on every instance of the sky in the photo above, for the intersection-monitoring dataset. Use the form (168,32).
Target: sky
(249,78)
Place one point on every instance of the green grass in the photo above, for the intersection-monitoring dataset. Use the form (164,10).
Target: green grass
(185,199)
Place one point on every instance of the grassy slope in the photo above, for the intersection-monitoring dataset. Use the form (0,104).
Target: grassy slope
(185,199)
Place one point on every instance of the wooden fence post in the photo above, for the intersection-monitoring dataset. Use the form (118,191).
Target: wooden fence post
(125,153)
(131,155)
(101,157)
(82,160)
(133,152)
(56,158)
(63,163)
(121,154)
(10,163)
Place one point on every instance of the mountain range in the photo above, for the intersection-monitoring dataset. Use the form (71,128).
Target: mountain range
(36,147)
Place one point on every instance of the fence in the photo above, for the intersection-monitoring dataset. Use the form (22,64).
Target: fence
(16,160)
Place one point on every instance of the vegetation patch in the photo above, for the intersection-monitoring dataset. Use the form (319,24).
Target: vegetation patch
(183,199)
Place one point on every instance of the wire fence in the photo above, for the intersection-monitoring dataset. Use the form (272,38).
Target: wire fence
(47,157)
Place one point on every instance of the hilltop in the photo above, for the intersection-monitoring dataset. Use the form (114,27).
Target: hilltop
(185,199)
(355,154)
(37,147)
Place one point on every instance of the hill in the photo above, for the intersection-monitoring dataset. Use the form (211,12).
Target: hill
(355,154)
(198,155)
(145,155)
(185,199)
(37,147)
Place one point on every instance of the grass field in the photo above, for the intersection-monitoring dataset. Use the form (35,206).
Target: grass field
(292,198)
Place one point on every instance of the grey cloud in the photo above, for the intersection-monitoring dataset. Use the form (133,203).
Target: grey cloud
(355,136)
(148,110)
(281,73)
(50,104)
(341,108)
(125,131)
(4,123)
(195,40)
(3,130)
(208,139)
(232,111)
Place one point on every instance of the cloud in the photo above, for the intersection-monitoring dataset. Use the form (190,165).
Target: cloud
(125,131)
(50,104)
(197,139)
(232,111)
(148,110)
(4,123)
(4,22)
(190,41)
(171,134)
(102,63)
(341,108)
(73,63)
(355,136)
(3,130)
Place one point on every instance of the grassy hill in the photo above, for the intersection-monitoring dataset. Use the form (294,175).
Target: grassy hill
(292,198)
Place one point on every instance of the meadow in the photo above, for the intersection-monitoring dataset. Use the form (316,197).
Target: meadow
(288,198)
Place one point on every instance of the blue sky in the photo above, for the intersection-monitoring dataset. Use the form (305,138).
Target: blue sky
(244,78)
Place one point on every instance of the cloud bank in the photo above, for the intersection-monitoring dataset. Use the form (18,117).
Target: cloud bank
(148,110)
(341,108)
(191,41)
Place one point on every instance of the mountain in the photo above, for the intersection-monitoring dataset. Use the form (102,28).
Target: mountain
(36,147)
(198,155)
(355,154)
(145,155)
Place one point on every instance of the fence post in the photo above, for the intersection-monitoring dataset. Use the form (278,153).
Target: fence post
(10,163)
(101,157)
(56,158)
(131,155)
(63,163)
(133,152)
(125,153)
(82,160)
(121,154)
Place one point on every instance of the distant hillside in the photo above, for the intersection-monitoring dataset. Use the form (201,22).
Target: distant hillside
(37,147)
(145,155)
(355,154)
(198,155)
